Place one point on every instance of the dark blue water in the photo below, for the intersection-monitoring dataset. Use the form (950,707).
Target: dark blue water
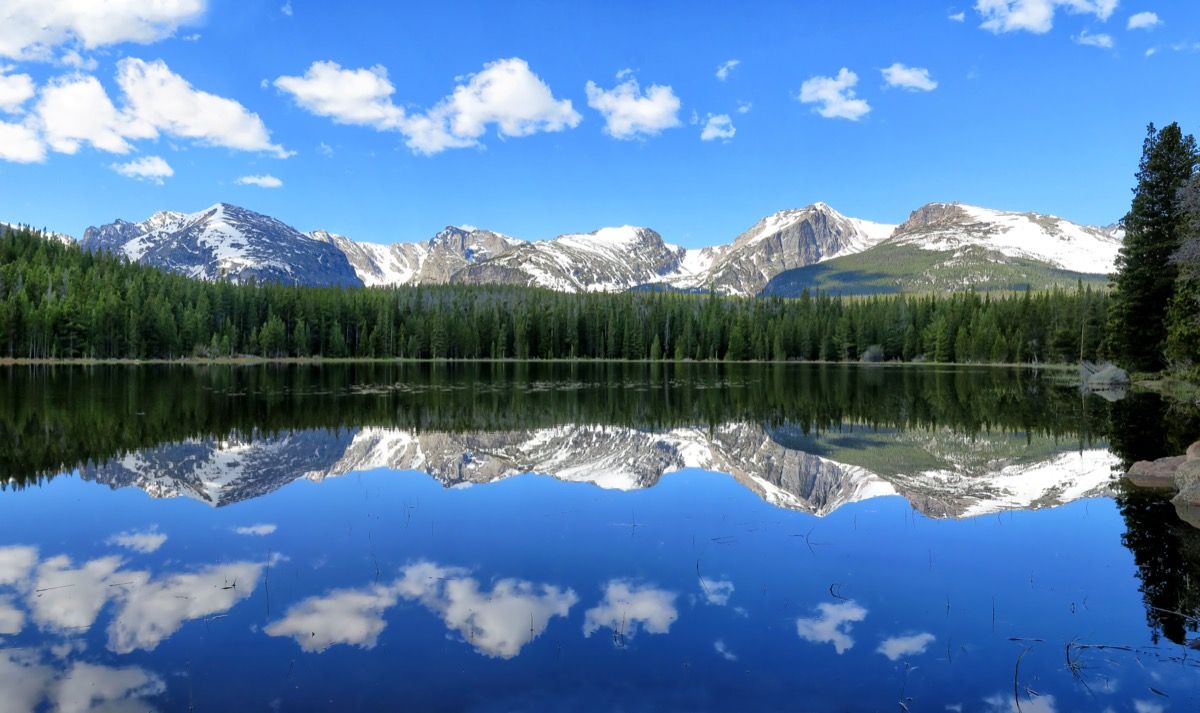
(303,569)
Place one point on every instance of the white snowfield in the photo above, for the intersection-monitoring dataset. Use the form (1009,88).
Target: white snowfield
(1043,238)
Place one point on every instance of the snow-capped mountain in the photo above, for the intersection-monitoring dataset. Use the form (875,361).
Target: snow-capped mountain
(434,261)
(940,246)
(225,242)
(951,227)
(951,246)
(606,260)
(766,460)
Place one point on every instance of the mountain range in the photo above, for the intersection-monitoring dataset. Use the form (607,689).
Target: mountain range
(941,246)
(784,465)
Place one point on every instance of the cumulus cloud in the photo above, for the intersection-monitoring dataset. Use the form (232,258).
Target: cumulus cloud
(959,16)
(353,617)
(631,113)
(627,607)
(12,619)
(155,610)
(505,94)
(726,67)
(27,681)
(165,102)
(716,591)
(497,623)
(31,28)
(1036,16)
(151,167)
(261,529)
(832,625)
(15,90)
(717,126)
(834,96)
(65,597)
(1005,703)
(744,107)
(286,8)
(1100,40)
(1143,21)
(262,181)
(897,647)
(915,79)
(16,562)
(74,111)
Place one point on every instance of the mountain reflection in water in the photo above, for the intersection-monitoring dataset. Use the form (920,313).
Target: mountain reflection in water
(587,537)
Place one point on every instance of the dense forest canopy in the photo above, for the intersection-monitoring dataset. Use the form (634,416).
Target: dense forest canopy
(59,302)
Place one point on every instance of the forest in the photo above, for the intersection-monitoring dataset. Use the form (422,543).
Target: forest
(60,302)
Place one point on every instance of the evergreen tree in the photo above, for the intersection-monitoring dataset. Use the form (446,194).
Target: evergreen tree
(1154,226)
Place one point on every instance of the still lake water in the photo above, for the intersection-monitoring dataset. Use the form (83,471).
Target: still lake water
(523,537)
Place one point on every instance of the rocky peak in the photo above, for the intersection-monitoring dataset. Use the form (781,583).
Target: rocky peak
(934,214)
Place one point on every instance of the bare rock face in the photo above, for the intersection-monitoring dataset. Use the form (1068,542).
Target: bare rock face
(933,215)
(1193,451)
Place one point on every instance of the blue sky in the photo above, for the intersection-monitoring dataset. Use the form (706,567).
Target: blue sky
(387,121)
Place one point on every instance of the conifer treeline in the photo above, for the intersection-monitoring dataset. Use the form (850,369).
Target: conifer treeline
(57,302)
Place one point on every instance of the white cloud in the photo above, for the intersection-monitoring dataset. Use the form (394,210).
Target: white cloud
(897,647)
(716,591)
(717,126)
(629,113)
(911,78)
(151,167)
(64,597)
(832,625)
(505,93)
(32,27)
(723,650)
(626,608)
(348,96)
(726,67)
(17,561)
(744,107)
(75,110)
(1036,16)
(74,60)
(27,681)
(346,616)
(154,611)
(88,687)
(12,619)
(325,149)
(1101,40)
(166,102)
(959,16)
(15,90)
(1004,702)
(497,623)
(286,8)
(1143,21)
(261,529)
(262,181)
(1148,707)
(834,96)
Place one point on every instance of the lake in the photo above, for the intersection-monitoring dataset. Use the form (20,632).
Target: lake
(496,537)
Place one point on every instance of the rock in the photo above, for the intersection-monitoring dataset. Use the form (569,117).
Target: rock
(1105,376)
(1155,474)
(1187,475)
(1193,451)
(1187,512)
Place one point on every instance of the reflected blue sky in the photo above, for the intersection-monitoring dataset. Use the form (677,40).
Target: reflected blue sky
(384,586)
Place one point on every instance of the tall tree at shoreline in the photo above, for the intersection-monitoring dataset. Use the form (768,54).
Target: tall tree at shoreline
(1154,230)
(1183,316)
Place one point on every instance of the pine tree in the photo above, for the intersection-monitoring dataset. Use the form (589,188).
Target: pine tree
(1146,276)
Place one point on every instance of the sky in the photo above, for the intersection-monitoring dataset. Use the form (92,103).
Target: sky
(388,121)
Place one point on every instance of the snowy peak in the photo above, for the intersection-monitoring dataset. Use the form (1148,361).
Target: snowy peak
(953,227)
(225,241)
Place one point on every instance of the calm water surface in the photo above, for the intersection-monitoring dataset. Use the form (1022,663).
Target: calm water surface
(520,537)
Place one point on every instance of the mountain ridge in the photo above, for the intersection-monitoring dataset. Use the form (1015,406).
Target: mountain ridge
(777,255)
